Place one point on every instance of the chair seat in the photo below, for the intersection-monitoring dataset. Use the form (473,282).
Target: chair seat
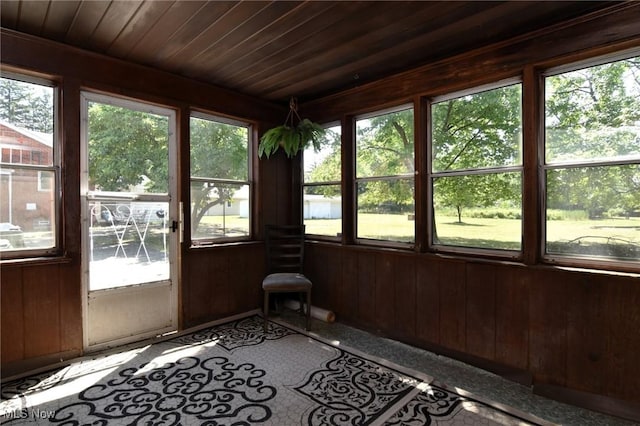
(286,281)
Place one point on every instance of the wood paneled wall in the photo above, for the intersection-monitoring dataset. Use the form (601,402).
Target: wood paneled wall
(41,317)
(569,328)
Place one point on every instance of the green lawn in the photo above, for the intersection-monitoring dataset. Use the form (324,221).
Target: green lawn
(575,236)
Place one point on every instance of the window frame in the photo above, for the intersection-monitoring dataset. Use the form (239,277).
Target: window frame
(333,238)
(564,259)
(478,171)
(249,126)
(387,178)
(55,167)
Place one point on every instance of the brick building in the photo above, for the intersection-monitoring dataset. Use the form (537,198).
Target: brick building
(26,195)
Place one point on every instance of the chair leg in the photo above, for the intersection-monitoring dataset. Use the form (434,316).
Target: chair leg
(308,309)
(266,310)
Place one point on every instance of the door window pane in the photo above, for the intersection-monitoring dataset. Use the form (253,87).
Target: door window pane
(128,150)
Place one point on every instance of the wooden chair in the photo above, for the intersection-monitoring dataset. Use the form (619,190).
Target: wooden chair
(285,256)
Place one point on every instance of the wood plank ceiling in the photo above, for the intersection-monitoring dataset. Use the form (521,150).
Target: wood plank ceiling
(278,49)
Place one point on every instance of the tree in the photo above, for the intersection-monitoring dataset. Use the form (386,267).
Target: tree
(218,150)
(593,114)
(475,132)
(26,105)
(127,148)
(385,148)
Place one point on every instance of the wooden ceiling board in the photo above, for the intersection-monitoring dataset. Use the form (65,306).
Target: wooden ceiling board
(347,69)
(143,21)
(32,16)
(59,18)
(231,23)
(113,22)
(9,11)
(233,40)
(373,18)
(145,49)
(85,21)
(282,43)
(189,33)
(278,49)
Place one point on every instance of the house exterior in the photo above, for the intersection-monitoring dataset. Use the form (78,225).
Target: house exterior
(26,195)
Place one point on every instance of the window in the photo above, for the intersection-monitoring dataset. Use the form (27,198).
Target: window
(322,196)
(476,169)
(29,194)
(220,185)
(592,161)
(384,154)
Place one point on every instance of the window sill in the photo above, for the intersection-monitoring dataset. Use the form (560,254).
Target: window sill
(224,244)
(34,261)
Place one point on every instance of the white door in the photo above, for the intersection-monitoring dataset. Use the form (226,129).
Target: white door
(130,220)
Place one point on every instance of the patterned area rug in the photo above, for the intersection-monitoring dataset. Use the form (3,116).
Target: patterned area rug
(235,374)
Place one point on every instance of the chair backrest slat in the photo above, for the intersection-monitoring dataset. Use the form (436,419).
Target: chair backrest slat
(284,248)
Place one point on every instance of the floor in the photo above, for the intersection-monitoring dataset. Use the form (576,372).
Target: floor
(454,373)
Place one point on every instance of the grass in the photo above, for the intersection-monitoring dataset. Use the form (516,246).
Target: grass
(615,237)
(564,236)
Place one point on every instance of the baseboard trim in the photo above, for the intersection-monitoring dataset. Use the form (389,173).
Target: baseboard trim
(16,369)
(604,404)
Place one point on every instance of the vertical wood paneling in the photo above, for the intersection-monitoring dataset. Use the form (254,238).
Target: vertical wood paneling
(217,282)
(548,327)
(427,301)
(587,333)
(12,315)
(512,316)
(199,290)
(322,295)
(405,295)
(385,282)
(350,307)
(337,297)
(481,310)
(451,282)
(623,311)
(238,280)
(70,312)
(41,310)
(366,281)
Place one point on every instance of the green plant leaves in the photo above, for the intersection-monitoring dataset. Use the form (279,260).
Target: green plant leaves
(291,139)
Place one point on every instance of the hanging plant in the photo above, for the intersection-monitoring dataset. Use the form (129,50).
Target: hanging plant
(294,135)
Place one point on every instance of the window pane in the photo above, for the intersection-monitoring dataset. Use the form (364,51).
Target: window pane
(594,113)
(219,210)
(323,210)
(27,212)
(478,131)
(128,150)
(594,211)
(219,150)
(384,145)
(325,165)
(28,197)
(482,211)
(128,243)
(386,210)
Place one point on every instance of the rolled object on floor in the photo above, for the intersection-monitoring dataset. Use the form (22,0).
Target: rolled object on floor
(317,313)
